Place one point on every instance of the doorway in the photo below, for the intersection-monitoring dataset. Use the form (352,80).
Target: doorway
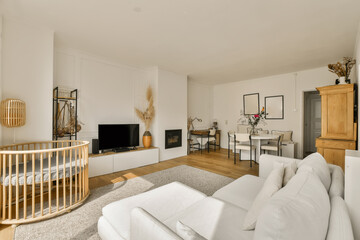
(312,121)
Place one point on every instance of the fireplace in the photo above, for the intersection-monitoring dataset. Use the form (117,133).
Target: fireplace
(173,138)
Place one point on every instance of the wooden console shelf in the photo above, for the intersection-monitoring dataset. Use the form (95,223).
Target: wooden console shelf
(110,162)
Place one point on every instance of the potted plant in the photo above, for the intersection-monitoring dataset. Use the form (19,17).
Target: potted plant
(147,117)
(342,70)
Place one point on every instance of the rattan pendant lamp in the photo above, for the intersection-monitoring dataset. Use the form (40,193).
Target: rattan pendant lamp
(13,113)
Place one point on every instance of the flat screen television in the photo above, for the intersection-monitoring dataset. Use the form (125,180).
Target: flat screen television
(115,136)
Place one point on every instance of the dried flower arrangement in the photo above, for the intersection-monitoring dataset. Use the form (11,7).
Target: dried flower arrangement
(342,69)
(253,120)
(148,115)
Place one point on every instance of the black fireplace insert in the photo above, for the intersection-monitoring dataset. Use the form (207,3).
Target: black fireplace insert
(173,138)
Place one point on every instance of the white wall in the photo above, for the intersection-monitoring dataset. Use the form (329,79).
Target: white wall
(27,74)
(228,100)
(171,111)
(200,104)
(108,91)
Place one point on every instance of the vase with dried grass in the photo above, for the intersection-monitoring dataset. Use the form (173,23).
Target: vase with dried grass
(342,70)
(147,117)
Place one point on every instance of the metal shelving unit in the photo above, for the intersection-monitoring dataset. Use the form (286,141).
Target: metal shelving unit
(61,100)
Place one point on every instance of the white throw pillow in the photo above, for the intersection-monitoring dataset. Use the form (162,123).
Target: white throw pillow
(337,181)
(289,170)
(187,233)
(318,164)
(298,211)
(272,184)
(339,224)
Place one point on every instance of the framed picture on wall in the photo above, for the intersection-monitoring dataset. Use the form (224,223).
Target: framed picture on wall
(274,107)
(251,103)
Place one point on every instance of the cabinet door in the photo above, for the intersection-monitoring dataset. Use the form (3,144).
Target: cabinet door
(128,160)
(335,156)
(337,114)
(100,165)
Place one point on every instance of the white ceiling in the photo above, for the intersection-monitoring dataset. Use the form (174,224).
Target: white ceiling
(212,41)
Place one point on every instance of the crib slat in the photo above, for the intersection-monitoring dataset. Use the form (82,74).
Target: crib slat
(4,189)
(83,169)
(25,185)
(49,192)
(70,162)
(41,184)
(76,157)
(17,187)
(33,185)
(80,174)
(87,169)
(57,181)
(64,178)
(10,185)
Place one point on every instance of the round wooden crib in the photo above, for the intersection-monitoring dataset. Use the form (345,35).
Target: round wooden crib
(40,180)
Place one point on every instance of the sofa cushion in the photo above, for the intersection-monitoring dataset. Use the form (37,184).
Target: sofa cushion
(241,192)
(144,226)
(213,219)
(266,163)
(161,202)
(289,171)
(187,233)
(337,181)
(272,184)
(300,210)
(317,163)
(106,230)
(339,224)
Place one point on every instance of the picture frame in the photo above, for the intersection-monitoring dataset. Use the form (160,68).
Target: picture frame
(274,107)
(251,103)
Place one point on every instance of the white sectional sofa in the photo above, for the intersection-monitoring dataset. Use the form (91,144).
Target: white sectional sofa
(303,209)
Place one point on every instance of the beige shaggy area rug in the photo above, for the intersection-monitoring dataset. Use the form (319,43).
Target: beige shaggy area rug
(81,223)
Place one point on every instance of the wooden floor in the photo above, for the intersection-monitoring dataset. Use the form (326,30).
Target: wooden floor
(216,162)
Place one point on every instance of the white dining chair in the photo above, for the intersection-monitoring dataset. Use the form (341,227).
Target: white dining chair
(231,141)
(243,142)
(274,146)
(212,138)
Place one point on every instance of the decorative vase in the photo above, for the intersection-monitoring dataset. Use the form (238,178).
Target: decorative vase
(147,139)
(252,130)
(342,80)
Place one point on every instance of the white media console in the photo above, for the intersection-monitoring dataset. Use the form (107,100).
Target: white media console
(105,163)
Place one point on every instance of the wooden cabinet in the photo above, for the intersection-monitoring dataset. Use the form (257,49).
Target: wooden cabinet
(334,150)
(338,128)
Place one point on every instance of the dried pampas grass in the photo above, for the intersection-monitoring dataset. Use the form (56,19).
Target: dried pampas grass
(342,69)
(148,115)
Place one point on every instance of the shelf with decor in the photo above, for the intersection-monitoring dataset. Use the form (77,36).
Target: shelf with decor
(65,120)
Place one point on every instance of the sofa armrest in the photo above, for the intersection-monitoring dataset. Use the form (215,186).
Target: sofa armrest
(144,226)
(266,163)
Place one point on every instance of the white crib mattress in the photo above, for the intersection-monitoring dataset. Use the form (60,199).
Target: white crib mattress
(29,174)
